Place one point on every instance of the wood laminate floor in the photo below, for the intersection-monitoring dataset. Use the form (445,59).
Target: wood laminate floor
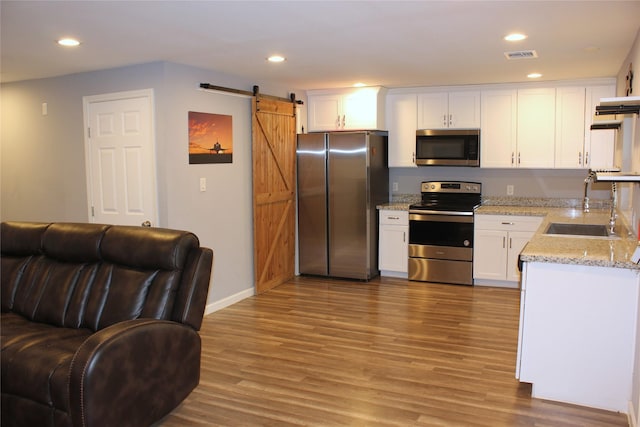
(319,352)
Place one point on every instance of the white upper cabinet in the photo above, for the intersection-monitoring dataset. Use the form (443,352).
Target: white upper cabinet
(442,110)
(498,128)
(599,144)
(402,119)
(544,128)
(518,128)
(536,128)
(570,117)
(352,109)
(521,126)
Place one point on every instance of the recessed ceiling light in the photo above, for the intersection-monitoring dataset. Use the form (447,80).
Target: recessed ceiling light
(359,84)
(515,37)
(68,42)
(534,75)
(276,58)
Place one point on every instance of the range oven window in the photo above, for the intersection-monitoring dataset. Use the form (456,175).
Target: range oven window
(441,230)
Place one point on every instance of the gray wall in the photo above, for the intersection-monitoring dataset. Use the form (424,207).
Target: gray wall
(43,160)
(526,182)
(43,166)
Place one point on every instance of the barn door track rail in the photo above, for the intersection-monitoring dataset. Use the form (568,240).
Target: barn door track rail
(255,93)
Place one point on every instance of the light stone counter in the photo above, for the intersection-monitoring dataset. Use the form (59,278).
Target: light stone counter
(580,250)
(394,206)
(400,202)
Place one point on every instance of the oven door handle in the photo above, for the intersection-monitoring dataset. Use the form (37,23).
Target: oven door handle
(441,216)
(427,212)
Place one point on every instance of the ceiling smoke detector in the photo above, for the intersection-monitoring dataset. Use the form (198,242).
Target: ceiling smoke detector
(521,54)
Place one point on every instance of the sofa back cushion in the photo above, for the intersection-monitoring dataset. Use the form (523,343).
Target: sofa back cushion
(91,275)
(19,243)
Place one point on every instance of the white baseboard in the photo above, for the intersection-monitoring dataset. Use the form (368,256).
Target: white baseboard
(496,283)
(398,274)
(226,302)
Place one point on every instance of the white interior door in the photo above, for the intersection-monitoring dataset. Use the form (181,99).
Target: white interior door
(121,178)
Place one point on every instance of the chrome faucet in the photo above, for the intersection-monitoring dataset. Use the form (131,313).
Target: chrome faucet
(613,216)
(587,180)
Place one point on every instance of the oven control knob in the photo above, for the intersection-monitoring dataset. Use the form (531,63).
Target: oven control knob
(466,243)
(433,187)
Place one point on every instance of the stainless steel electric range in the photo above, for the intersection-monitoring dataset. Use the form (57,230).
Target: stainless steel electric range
(441,232)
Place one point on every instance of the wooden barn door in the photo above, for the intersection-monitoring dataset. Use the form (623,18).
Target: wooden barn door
(274,163)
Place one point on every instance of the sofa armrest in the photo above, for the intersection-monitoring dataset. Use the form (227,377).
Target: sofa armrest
(133,373)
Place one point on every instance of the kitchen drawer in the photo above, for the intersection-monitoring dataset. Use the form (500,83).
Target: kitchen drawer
(507,222)
(394,217)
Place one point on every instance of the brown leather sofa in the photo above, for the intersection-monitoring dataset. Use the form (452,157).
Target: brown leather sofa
(99,323)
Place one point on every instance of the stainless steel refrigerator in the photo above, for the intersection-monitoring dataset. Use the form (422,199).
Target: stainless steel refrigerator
(342,177)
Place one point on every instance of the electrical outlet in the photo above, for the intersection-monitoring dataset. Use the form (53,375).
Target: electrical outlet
(203,184)
(395,186)
(509,190)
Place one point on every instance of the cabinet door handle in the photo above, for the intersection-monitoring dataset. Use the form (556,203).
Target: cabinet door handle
(504,241)
(404,236)
(510,242)
(579,158)
(393,217)
(512,157)
(518,157)
(586,158)
(344,121)
(450,119)
(338,121)
(507,223)
(444,120)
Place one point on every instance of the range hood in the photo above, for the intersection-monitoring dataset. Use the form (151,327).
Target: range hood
(618,105)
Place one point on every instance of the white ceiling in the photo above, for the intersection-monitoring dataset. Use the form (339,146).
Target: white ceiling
(327,43)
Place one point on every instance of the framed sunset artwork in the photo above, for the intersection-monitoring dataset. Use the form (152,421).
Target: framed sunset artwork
(210,138)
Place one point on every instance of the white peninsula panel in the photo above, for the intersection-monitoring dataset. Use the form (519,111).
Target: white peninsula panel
(577,333)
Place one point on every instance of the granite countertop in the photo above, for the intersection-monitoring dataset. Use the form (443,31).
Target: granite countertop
(394,206)
(580,250)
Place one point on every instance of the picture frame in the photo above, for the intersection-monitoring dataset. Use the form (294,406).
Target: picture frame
(210,138)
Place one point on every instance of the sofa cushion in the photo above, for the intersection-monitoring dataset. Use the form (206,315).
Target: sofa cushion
(36,359)
(148,248)
(73,243)
(92,275)
(19,243)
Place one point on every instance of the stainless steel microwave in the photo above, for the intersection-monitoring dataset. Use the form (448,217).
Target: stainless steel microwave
(448,147)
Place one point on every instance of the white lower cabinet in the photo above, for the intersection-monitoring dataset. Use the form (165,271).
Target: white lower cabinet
(393,243)
(497,243)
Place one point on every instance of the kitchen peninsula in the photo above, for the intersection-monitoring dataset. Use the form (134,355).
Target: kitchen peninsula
(579,305)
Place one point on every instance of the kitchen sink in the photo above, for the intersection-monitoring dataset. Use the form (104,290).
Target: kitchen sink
(593,230)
